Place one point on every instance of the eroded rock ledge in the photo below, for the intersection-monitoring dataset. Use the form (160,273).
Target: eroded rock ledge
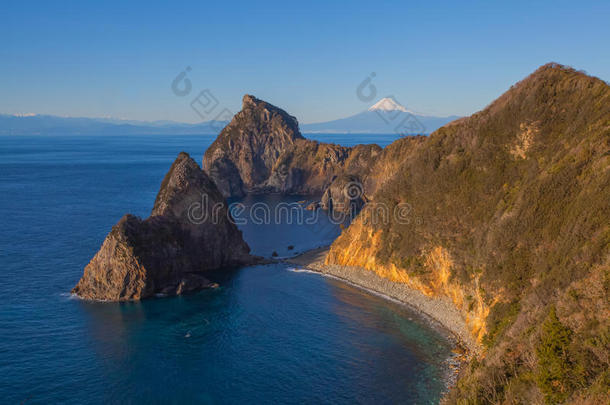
(188,233)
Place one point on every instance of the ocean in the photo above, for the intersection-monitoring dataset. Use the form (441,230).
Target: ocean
(269,334)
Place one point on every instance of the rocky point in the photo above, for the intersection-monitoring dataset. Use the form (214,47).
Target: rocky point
(189,233)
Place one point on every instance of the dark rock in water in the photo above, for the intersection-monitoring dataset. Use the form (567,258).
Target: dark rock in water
(188,233)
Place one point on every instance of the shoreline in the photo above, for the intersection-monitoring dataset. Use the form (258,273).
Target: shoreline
(438,310)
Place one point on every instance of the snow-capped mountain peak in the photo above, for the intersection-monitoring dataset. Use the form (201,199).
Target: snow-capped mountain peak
(387,104)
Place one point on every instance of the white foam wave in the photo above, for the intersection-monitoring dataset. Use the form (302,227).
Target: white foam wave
(299,270)
(69,296)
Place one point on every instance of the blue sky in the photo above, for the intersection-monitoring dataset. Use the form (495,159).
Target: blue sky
(119,58)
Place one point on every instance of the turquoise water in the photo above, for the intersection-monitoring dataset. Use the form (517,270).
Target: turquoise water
(268,335)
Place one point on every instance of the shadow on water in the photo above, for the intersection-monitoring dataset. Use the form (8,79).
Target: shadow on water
(282,224)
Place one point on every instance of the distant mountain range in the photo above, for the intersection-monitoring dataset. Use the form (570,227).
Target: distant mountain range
(53,125)
(385,117)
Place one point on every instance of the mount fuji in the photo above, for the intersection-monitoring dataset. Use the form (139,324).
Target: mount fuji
(384,117)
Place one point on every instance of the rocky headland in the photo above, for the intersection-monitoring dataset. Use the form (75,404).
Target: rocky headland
(509,220)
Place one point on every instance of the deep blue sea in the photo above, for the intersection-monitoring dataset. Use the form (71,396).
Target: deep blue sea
(267,335)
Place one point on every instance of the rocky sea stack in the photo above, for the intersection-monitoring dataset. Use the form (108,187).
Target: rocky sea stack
(188,233)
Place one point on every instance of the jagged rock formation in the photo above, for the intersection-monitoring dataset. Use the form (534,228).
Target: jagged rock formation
(243,154)
(262,151)
(507,213)
(187,234)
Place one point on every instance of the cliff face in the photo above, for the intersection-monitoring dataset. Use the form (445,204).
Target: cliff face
(309,167)
(241,157)
(507,212)
(187,234)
